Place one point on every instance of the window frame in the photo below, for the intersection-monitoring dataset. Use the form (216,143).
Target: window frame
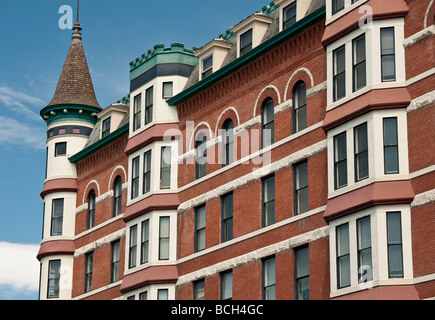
(267,107)
(356,64)
(164,85)
(165,167)
(199,287)
(266,216)
(265,283)
(90,221)
(249,36)
(338,161)
(164,238)
(57,219)
(391,244)
(336,75)
(223,277)
(137,112)
(147,169)
(53,283)
(343,256)
(60,153)
(145,241)
(299,278)
(89,269)
(149,104)
(115,261)
(199,228)
(201,146)
(209,69)
(360,249)
(391,146)
(286,23)
(132,247)
(359,153)
(135,173)
(299,108)
(105,129)
(381,32)
(227,224)
(117,196)
(298,187)
(228,142)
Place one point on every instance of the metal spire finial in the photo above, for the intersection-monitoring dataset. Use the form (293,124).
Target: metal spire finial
(77,28)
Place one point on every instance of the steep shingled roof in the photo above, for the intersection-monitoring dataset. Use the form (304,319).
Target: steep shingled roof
(75,83)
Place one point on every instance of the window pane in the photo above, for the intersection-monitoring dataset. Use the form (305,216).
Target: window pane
(337,5)
(302,199)
(246,42)
(199,290)
(340,60)
(391,160)
(227,285)
(395,261)
(162,294)
(343,240)
(303,287)
(167,90)
(388,68)
(387,41)
(364,233)
(290,15)
(344,271)
(394,228)
(207,63)
(60,149)
(302,262)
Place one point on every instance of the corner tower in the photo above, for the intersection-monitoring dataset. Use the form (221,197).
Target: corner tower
(70,118)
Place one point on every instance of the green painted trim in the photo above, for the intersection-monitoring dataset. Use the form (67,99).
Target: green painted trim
(72,115)
(99,144)
(160,54)
(251,55)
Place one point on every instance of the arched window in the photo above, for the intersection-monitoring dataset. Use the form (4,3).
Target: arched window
(227,142)
(299,107)
(201,156)
(117,196)
(91,210)
(267,123)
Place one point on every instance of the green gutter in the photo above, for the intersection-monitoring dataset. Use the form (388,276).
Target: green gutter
(251,55)
(99,144)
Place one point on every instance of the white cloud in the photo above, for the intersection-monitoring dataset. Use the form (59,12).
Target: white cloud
(19,269)
(19,101)
(21,135)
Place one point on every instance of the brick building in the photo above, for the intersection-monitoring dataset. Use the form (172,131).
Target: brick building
(289,158)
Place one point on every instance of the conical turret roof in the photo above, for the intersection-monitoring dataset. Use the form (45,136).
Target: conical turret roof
(75,84)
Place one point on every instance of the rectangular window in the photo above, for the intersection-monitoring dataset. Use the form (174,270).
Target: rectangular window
(227,217)
(53,279)
(106,128)
(207,66)
(168,90)
(246,42)
(394,239)
(145,241)
(162,294)
(337,5)
(227,285)
(343,257)
(388,57)
(359,62)
(200,218)
(149,96)
(60,149)
(364,247)
(301,187)
(57,217)
(269,279)
(201,157)
(340,160)
(135,178)
(147,172)
(137,111)
(289,15)
(89,269)
(165,168)
(132,251)
(361,152)
(198,290)
(143,295)
(391,146)
(164,238)
(339,65)
(114,275)
(302,287)
(268,201)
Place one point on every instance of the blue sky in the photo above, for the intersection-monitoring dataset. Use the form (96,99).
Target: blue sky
(32,54)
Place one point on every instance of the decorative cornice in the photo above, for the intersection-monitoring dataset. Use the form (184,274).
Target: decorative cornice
(56,247)
(59,185)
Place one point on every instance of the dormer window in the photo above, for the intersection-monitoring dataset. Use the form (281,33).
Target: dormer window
(105,130)
(337,5)
(207,66)
(246,42)
(289,16)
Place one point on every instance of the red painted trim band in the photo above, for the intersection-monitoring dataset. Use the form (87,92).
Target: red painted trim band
(59,185)
(56,247)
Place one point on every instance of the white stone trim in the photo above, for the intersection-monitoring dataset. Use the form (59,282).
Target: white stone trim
(316,89)
(423,198)
(427,13)
(85,194)
(111,181)
(220,117)
(421,76)
(421,172)
(100,242)
(101,289)
(422,101)
(261,93)
(292,77)
(255,255)
(419,36)
(250,177)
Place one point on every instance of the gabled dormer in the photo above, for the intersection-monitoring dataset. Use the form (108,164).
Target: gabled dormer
(211,56)
(291,11)
(110,118)
(250,32)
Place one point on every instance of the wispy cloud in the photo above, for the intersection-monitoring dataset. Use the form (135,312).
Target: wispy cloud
(19,270)
(20,134)
(19,102)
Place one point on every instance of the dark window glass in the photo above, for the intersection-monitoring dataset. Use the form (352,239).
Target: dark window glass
(117,197)
(135,178)
(89,269)
(57,217)
(60,149)
(137,112)
(106,128)
(269,279)
(145,241)
(388,57)
(300,107)
(91,209)
(359,63)
(162,294)
(289,15)
(227,285)
(132,254)
(340,160)
(165,168)
(164,238)
(267,120)
(302,283)
(343,256)
(337,5)
(198,290)
(339,56)
(301,188)
(114,275)
(394,238)
(361,152)
(53,279)
(201,157)
(364,247)
(149,96)
(246,42)
(200,219)
(207,66)
(227,217)
(391,146)
(146,172)
(168,90)
(268,201)
(228,142)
